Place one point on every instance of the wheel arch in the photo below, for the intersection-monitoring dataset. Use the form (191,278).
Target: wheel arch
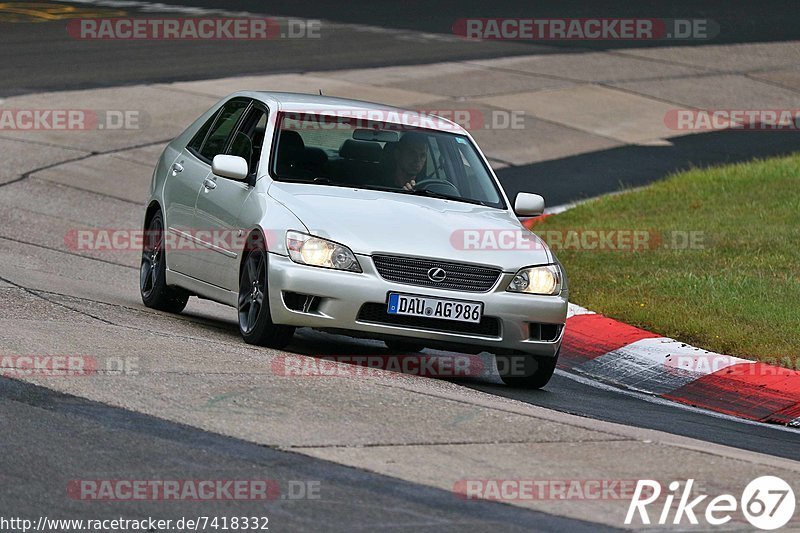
(254,239)
(152,209)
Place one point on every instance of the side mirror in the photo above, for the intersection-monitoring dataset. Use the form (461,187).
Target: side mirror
(528,205)
(230,166)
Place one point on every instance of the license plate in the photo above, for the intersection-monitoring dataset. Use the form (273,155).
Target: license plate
(424,306)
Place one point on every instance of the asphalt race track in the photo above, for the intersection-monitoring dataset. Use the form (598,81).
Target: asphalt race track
(98,437)
(393,33)
(203,405)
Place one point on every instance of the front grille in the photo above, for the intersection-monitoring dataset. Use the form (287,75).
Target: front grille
(489,326)
(412,271)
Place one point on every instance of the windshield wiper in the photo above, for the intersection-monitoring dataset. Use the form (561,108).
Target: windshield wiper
(434,194)
(319,180)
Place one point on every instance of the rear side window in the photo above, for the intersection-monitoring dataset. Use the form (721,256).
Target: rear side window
(218,131)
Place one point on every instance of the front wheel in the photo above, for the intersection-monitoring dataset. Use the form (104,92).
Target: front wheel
(153,272)
(255,321)
(526,371)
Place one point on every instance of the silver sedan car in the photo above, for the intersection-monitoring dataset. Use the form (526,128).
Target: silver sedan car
(356,218)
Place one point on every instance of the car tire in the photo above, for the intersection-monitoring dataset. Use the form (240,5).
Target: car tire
(403,346)
(255,320)
(526,371)
(153,287)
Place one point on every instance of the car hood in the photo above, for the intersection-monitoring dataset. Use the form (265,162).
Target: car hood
(371,222)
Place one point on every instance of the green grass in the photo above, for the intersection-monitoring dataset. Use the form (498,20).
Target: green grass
(738,295)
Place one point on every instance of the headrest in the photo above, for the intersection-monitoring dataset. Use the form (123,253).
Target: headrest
(362,150)
(316,156)
(290,142)
(242,146)
(259,134)
(387,156)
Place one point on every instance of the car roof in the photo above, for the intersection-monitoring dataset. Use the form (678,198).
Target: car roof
(331,105)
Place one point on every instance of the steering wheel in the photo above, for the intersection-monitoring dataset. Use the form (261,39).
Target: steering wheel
(432,184)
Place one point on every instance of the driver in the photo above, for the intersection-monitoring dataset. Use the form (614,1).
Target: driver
(410,158)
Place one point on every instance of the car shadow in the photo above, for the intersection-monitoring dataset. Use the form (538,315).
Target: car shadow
(450,366)
(473,369)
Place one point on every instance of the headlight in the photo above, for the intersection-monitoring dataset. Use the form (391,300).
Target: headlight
(314,251)
(537,280)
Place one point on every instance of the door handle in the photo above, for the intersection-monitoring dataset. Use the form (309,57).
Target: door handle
(208,183)
(177,167)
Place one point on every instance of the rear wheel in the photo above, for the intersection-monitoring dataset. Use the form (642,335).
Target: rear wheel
(153,272)
(255,321)
(526,371)
(404,346)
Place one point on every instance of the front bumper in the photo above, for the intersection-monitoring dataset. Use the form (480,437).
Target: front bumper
(341,295)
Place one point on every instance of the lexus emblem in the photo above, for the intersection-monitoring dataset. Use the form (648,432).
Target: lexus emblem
(437,274)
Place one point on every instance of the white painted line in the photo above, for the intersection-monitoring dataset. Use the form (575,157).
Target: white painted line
(556,209)
(657,365)
(574,310)
(158,7)
(681,355)
(661,401)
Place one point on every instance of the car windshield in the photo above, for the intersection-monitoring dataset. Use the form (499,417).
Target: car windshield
(333,150)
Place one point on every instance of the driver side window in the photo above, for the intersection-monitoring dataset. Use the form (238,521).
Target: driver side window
(248,141)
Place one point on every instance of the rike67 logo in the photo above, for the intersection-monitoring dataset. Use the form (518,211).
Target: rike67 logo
(767,502)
